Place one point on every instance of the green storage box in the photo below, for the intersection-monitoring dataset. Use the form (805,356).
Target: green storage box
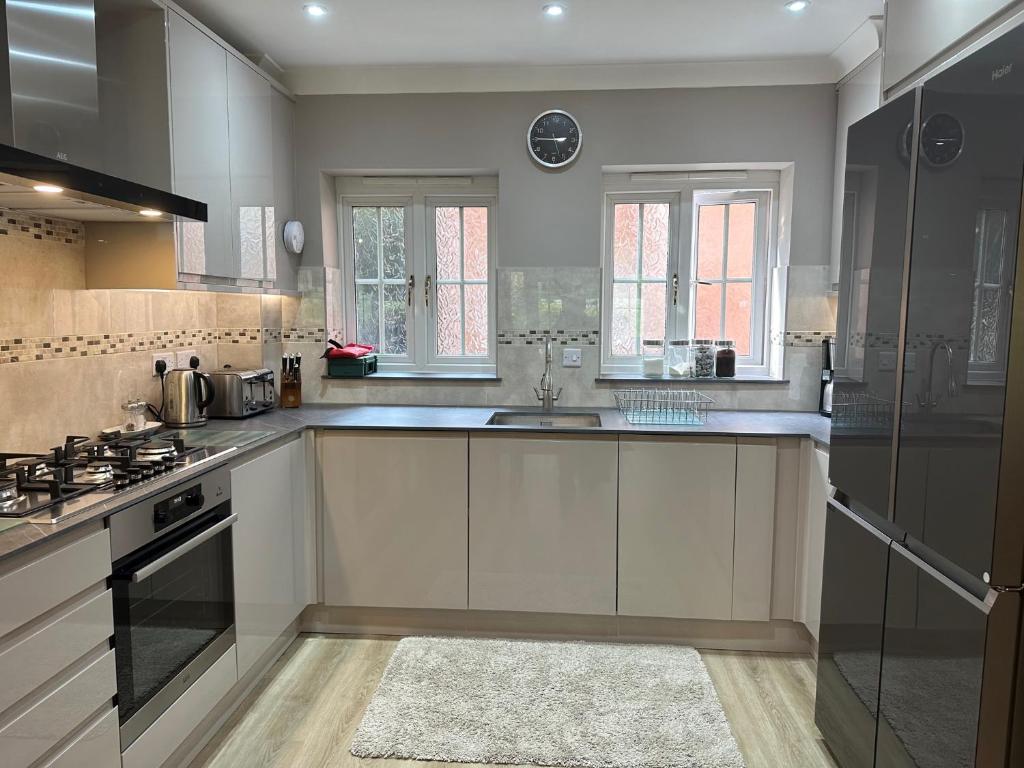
(351,367)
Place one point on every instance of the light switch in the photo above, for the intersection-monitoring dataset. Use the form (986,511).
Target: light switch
(572,358)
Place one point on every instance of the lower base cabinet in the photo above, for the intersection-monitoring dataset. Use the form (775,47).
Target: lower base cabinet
(394,518)
(676,527)
(542,523)
(269,543)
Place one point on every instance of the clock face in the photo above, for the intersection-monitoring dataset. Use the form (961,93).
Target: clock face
(554,139)
(942,139)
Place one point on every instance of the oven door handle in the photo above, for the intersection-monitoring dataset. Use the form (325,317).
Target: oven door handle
(150,568)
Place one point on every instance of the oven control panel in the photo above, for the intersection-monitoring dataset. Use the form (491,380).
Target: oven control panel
(183,504)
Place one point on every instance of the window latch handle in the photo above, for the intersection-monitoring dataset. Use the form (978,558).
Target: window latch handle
(412,286)
(675,289)
(426,291)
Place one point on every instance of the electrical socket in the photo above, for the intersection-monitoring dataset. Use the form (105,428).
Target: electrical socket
(183,356)
(167,357)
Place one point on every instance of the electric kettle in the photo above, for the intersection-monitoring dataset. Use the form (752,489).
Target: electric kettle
(187,394)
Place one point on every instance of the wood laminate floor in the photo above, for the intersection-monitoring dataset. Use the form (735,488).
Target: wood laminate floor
(305,711)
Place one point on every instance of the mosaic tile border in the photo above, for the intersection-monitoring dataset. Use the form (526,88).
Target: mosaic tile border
(588,338)
(21,224)
(25,349)
(310,335)
(800,338)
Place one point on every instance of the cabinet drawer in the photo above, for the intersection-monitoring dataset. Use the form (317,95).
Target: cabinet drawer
(28,737)
(99,746)
(53,647)
(43,584)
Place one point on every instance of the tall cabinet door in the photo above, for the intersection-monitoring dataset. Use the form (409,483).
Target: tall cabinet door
(963,266)
(850,643)
(252,165)
(199,127)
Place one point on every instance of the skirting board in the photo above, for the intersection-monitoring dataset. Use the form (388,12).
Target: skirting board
(194,743)
(774,636)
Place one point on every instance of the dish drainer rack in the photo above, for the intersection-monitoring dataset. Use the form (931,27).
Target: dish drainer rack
(646,405)
(861,410)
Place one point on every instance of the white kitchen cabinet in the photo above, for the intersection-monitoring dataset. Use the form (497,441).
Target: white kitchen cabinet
(919,33)
(811,535)
(269,497)
(542,523)
(283,136)
(395,518)
(677,503)
(252,166)
(753,550)
(201,148)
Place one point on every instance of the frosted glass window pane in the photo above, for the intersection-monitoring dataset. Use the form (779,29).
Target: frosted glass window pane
(653,311)
(395,305)
(449,236)
(368,315)
(476,319)
(251,235)
(475,243)
(737,316)
(708,311)
(365,231)
(710,241)
(627,223)
(392,221)
(449,320)
(655,251)
(193,236)
(741,239)
(624,319)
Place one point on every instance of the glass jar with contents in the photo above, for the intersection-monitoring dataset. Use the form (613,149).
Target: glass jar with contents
(725,359)
(703,353)
(654,357)
(679,359)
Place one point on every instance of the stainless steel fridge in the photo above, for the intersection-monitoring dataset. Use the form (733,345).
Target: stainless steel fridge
(920,648)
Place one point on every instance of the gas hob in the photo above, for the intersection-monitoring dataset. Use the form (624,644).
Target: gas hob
(51,487)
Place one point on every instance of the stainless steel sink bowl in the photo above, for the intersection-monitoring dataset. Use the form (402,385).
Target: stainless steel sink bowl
(544,420)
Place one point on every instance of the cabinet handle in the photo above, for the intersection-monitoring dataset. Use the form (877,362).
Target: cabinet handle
(675,289)
(412,285)
(426,291)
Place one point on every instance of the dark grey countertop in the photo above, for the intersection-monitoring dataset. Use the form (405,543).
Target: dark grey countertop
(279,424)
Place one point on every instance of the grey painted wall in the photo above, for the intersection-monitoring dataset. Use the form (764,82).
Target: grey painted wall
(554,218)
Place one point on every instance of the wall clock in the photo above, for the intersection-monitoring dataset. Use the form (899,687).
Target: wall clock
(294,237)
(554,138)
(942,139)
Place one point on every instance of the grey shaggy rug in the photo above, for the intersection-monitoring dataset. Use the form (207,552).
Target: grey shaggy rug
(580,705)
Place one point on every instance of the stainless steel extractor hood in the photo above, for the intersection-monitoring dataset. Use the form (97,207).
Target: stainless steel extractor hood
(50,121)
(48,187)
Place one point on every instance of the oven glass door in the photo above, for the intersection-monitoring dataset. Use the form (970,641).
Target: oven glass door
(173,601)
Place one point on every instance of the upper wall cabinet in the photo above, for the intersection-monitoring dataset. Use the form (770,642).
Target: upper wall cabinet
(199,124)
(252,171)
(232,138)
(918,31)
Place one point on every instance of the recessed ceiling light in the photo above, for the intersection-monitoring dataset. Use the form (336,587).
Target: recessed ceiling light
(315,10)
(152,213)
(554,9)
(49,189)
(797,5)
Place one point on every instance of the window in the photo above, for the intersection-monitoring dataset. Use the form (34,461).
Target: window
(419,268)
(686,262)
(992,292)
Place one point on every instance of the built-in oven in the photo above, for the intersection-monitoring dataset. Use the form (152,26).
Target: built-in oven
(172,583)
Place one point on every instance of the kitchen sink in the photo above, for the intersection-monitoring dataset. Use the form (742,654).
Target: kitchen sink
(544,420)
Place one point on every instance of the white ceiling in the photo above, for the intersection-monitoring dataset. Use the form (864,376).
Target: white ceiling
(371,33)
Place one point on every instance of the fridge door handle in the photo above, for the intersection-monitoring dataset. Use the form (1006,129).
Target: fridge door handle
(983,604)
(842,509)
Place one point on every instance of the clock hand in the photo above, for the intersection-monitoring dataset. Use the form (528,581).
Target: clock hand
(548,138)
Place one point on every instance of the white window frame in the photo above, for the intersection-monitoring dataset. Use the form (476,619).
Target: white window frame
(682,194)
(420,196)
(756,362)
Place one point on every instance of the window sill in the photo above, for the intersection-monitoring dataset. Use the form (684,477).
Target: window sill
(613,378)
(384,376)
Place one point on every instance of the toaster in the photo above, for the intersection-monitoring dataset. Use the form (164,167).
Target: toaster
(238,394)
